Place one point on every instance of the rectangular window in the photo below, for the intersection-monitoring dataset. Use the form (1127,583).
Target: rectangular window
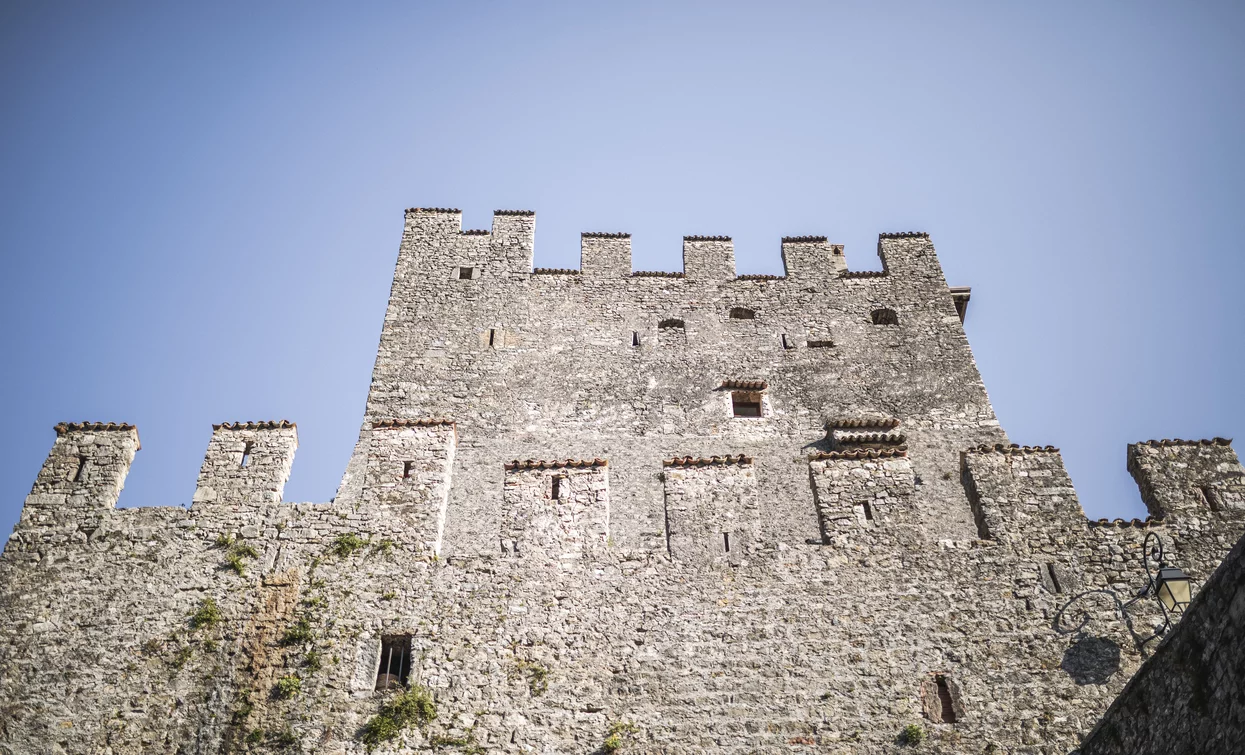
(944,700)
(492,335)
(746,404)
(635,338)
(1054,578)
(406,469)
(246,453)
(555,492)
(395,662)
(1211,497)
(868,511)
(466,273)
(786,342)
(726,542)
(77,475)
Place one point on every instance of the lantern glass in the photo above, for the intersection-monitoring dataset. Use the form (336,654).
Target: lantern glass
(1174,589)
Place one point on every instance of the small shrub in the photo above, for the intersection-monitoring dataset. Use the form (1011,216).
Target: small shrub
(413,707)
(182,657)
(283,739)
(297,634)
(207,616)
(255,737)
(347,543)
(617,735)
(313,662)
(391,595)
(153,646)
(537,676)
(223,540)
(288,686)
(384,546)
(912,735)
(245,551)
(235,562)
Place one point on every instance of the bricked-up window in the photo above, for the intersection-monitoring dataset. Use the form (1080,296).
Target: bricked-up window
(246,453)
(466,273)
(944,700)
(77,474)
(884,316)
(746,404)
(742,313)
(395,661)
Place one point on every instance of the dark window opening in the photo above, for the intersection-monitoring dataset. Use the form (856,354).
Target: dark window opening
(786,342)
(742,313)
(868,511)
(635,338)
(1211,497)
(466,273)
(726,542)
(246,453)
(77,475)
(944,700)
(1054,578)
(406,469)
(746,404)
(395,662)
(491,335)
(884,317)
(823,344)
(669,324)
(556,492)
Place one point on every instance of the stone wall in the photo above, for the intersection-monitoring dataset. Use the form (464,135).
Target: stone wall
(566,515)
(1188,698)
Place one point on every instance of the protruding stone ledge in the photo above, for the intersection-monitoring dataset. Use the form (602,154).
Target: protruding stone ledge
(1150,521)
(555,464)
(804,239)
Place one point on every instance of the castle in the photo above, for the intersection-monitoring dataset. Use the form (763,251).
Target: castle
(600,510)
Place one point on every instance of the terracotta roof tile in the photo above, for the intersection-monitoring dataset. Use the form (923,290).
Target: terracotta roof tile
(863,422)
(436,210)
(745,385)
(92,427)
(604,235)
(515,212)
(555,271)
(760,277)
(864,453)
(803,239)
(280,424)
(655,274)
(706,238)
(857,274)
(1149,521)
(904,235)
(384,424)
(1180,442)
(851,438)
(555,464)
(697,461)
(1013,449)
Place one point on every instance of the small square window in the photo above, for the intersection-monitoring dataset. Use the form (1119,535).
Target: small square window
(395,662)
(746,404)
(466,273)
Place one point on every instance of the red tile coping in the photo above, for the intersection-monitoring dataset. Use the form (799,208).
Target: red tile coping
(899,452)
(760,277)
(1150,521)
(745,385)
(1013,449)
(555,271)
(514,212)
(279,424)
(92,427)
(604,235)
(904,235)
(706,238)
(803,239)
(1180,442)
(698,461)
(437,210)
(555,464)
(855,274)
(655,274)
(870,438)
(836,424)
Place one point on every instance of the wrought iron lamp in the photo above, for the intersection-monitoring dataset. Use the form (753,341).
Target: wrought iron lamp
(1170,587)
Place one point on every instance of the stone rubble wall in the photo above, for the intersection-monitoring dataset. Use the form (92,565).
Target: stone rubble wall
(243,624)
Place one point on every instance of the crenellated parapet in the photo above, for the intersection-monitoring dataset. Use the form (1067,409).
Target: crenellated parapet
(83,473)
(247,463)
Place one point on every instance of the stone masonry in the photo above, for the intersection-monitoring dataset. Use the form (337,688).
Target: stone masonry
(600,510)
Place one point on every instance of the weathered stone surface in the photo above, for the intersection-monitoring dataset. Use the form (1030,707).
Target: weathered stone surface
(745,514)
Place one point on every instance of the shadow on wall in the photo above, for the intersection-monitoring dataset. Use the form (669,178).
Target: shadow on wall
(1091,660)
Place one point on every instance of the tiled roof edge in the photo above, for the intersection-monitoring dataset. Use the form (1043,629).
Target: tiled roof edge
(746,385)
(604,235)
(526,213)
(803,239)
(864,453)
(555,464)
(1216,441)
(384,424)
(706,238)
(92,427)
(1013,449)
(279,424)
(697,461)
(436,210)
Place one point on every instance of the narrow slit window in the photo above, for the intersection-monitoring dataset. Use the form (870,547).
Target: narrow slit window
(726,542)
(635,338)
(1054,577)
(395,662)
(1210,496)
(77,474)
(786,344)
(868,511)
(746,404)
(492,335)
(555,492)
(407,466)
(944,700)
(246,453)
(466,273)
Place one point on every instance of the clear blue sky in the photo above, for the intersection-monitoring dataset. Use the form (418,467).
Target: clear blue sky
(202,202)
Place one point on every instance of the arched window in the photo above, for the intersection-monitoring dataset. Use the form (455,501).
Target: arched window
(742,313)
(884,316)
